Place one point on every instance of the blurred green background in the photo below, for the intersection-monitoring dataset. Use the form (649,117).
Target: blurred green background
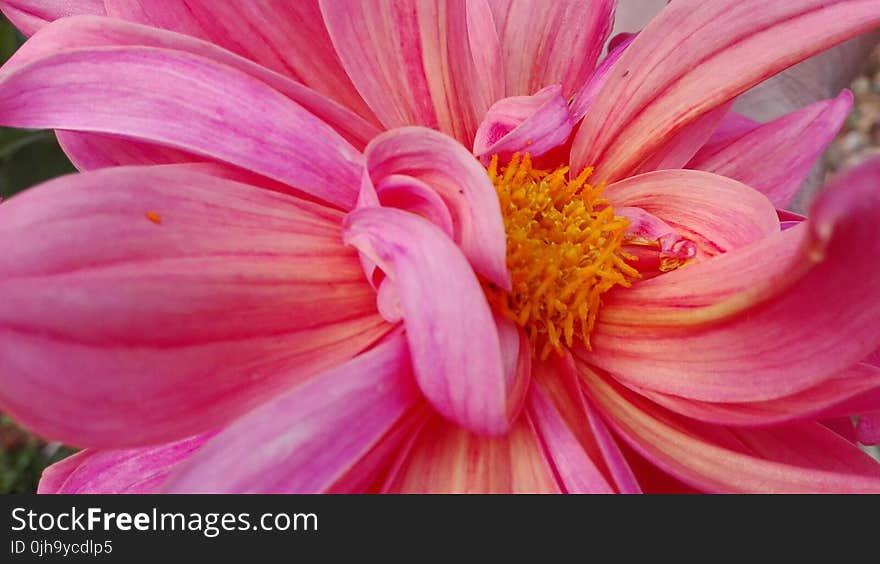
(26,158)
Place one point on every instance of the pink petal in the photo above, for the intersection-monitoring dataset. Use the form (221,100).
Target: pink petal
(414,62)
(371,473)
(303,441)
(186,102)
(847,393)
(449,169)
(762,322)
(577,473)
(800,458)
(446,458)
(143,305)
(873,359)
(652,479)
(868,428)
(656,245)
(134,471)
(260,31)
(693,57)
(843,426)
(516,357)
(411,194)
(31,15)
(775,158)
(92,151)
(84,32)
(681,147)
(546,43)
(450,328)
(388,302)
(731,127)
(533,124)
(558,384)
(716,213)
(90,32)
(583,99)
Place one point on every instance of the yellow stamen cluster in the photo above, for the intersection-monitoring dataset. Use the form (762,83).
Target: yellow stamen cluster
(563,252)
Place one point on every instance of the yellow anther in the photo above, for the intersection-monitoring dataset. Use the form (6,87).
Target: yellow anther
(563,252)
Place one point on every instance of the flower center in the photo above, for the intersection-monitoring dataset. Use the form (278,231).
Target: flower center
(563,252)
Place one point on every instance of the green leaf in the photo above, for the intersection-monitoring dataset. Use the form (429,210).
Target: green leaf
(28,158)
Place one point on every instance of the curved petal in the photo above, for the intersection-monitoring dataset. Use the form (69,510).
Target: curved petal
(656,246)
(260,31)
(850,392)
(546,43)
(304,440)
(716,213)
(516,356)
(583,99)
(764,321)
(372,471)
(414,62)
(695,56)
(30,16)
(452,335)
(134,471)
(533,124)
(799,458)
(576,471)
(411,194)
(731,127)
(683,145)
(775,158)
(142,305)
(560,402)
(450,170)
(92,151)
(91,32)
(446,458)
(186,102)
(388,302)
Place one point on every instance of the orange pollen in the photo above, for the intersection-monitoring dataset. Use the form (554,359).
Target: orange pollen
(563,252)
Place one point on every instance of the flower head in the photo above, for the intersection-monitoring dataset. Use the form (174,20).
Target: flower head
(436,246)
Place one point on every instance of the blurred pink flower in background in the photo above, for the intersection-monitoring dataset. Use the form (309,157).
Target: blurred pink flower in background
(282,268)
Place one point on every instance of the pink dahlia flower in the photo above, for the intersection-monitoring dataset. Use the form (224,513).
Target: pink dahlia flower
(434,246)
